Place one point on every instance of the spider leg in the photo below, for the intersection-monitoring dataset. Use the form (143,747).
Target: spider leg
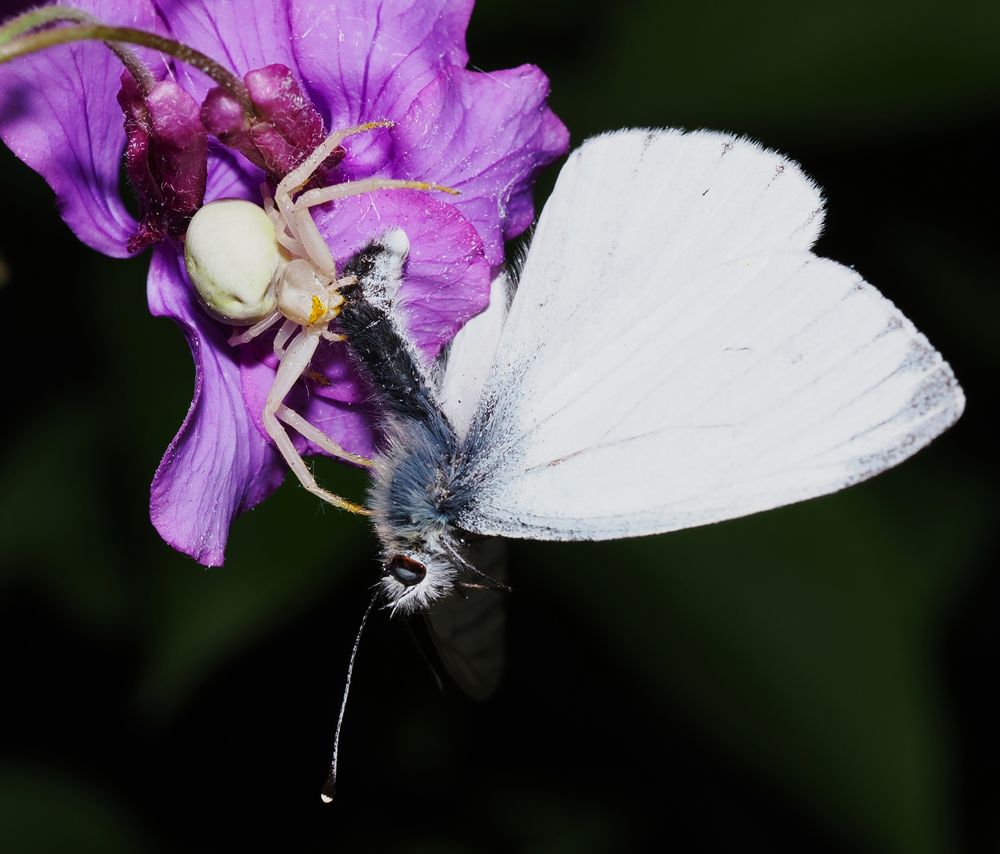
(318,437)
(297,358)
(292,245)
(304,226)
(313,243)
(300,225)
(320,195)
(281,229)
(247,335)
(302,173)
(281,338)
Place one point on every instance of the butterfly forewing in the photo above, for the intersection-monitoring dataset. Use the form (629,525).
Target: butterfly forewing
(675,355)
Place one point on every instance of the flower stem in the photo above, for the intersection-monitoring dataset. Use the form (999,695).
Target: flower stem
(99,32)
(35,18)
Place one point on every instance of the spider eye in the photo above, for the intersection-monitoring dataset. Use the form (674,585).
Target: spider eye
(406,570)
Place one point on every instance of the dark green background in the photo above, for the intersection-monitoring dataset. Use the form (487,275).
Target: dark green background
(817,678)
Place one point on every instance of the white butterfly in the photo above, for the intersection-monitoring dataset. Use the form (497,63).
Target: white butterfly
(674,355)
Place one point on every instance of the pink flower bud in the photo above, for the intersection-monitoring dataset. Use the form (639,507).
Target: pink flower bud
(285,129)
(165,158)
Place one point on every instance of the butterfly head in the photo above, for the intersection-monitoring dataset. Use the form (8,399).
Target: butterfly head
(419,574)
(412,580)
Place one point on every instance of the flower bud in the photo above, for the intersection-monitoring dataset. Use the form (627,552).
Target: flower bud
(165,158)
(286,128)
(232,254)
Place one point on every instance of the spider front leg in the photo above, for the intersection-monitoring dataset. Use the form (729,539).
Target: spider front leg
(302,173)
(304,226)
(321,195)
(302,233)
(295,362)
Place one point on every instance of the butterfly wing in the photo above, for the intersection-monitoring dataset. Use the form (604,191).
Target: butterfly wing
(468,629)
(469,357)
(676,355)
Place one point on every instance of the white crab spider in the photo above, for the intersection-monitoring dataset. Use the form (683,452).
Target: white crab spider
(254,266)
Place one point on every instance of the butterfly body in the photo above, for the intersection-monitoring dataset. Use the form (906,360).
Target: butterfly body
(415,493)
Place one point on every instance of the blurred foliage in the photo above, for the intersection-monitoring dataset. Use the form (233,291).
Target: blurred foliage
(805,69)
(802,642)
(815,677)
(89,821)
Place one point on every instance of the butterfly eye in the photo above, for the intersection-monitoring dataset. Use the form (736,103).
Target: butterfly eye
(406,570)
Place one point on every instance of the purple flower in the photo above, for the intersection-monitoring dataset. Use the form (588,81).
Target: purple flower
(311,66)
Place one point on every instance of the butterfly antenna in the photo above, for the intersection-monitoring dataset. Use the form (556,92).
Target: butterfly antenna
(330,786)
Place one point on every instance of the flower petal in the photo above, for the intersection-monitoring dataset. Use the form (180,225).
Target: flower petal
(367,59)
(218,463)
(230,176)
(486,135)
(238,37)
(59,114)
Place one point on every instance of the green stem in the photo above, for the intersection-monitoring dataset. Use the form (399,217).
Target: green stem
(99,32)
(35,18)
